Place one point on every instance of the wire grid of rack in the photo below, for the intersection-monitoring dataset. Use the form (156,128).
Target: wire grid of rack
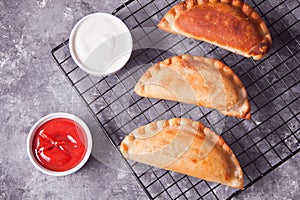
(273,85)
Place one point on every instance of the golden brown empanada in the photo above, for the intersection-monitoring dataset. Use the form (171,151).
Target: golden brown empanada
(184,146)
(230,24)
(196,80)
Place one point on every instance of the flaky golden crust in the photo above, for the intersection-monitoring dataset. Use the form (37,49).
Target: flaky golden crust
(196,80)
(230,24)
(188,147)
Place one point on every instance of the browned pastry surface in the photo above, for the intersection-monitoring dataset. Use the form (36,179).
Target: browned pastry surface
(184,146)
(196,80)
(233,25)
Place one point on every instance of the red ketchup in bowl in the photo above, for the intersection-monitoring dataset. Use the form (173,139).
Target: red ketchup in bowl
(59,144)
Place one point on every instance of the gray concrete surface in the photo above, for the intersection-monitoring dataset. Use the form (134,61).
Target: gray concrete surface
(32,86)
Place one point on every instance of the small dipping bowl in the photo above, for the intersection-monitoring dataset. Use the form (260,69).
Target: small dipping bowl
(100,44)
(59,144)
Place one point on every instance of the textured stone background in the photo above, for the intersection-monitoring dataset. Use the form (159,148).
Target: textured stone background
(31,86)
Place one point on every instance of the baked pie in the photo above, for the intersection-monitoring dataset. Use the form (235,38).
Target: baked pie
(230,24)
(184,146)
(196,80)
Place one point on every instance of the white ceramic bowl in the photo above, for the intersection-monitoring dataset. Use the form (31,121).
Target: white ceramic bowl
(42,121)
(100,44)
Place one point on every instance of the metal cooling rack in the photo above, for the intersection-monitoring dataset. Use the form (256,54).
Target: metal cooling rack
(273,84)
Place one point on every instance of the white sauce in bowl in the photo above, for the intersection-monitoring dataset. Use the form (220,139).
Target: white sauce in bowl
(100,44)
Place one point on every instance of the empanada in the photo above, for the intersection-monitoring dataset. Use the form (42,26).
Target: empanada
(184,146)
(196,80)
(230,24)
